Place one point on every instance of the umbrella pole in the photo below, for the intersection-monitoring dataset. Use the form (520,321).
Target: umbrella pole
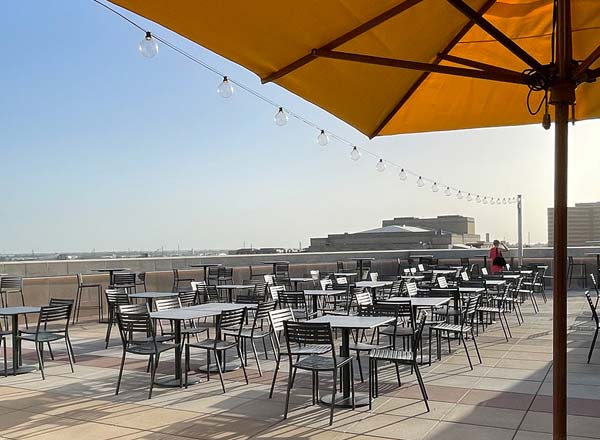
(562,96)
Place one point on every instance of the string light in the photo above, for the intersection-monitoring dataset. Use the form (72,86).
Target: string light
(280,117)
(149,48)
(322,139)
(225,89)
(492,201)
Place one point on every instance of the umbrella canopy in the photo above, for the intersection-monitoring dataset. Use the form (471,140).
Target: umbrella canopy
(403,66)
(382,65)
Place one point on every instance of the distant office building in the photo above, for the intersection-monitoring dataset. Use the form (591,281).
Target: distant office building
(404,233)
(583,224)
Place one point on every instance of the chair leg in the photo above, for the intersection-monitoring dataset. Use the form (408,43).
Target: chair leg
(333,391)
(476,347)
(352,385)
(108,329)
(289,388)
(153,366)
(502,324)
(592,346)
(77,305)
(503,314)
(360,370)
(242,363)
(256,356)
(466,351)
(5,360)
(69,355)
(221,371)
(421,385)
(186,364)
(274,376)
(120,372)
(370,383)
(50,351)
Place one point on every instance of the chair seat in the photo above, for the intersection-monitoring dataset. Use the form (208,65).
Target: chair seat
(316,362)
(389,354)
(247,333)
(363,346)
(149,348)
(193,330)
(41,336)
(447,327)
(209,344)
(490,309)
(400,331)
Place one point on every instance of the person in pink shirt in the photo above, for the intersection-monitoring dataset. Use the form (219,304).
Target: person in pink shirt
(496,257)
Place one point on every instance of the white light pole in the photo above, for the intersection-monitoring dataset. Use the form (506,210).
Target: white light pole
(520,228)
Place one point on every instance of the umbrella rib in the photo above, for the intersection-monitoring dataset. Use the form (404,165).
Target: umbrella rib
(492,30)
(585,64)
(476,64)
(365,27)
(512,77)
(424,76)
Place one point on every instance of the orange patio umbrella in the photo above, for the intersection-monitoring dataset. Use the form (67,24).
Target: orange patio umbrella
(403,66)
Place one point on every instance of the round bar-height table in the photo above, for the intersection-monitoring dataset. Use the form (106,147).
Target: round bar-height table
(205,267)
(14,313)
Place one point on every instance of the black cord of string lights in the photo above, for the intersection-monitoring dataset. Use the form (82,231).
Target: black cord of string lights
(341,139)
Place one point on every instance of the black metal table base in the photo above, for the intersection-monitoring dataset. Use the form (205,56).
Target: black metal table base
(23,369)
(361,399)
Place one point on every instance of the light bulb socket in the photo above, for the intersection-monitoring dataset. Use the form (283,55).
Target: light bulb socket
(225,78)
(148,35)
(546,121)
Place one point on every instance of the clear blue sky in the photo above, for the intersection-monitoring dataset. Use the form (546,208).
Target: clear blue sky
(104,149)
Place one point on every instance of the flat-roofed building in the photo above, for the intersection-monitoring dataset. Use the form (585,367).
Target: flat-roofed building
(583,224)
(394,236)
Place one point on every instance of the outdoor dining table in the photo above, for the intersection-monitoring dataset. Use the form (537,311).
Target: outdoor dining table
(111,272)
(346,324)
(151,296)
(372,286)
(421,302)
(494,283)
(297,280)
(186,313)
(274,263)
(14,313)
(205,267)
(231,287)
(316,294)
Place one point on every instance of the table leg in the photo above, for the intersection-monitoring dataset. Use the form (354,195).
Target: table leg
(174,382)
(315,304)
(205,274)
(15,348)
(226,367)
(230,295)
(345,400)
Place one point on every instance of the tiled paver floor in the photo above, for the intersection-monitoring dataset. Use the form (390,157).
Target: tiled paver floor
(507,397)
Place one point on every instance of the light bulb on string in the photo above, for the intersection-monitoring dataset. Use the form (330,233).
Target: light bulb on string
(498,201)
(434,187)
(448,191)
(225,89)
(459,195)
(504,201)
(402,174)
(420,182)
(280,117)
(478,199)
(485,201)
(322,139)
(492,201)
(469,197)
(355,154)
(148,46)
(380,166)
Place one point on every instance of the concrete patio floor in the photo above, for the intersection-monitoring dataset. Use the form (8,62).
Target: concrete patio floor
(507,397)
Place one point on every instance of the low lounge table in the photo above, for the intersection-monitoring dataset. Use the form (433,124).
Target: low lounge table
(14,313)
(347,324)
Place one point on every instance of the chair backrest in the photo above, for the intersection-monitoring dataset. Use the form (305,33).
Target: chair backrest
(278,317)
(124,278)
(167,304)
(282,269)
(464,276)
(411,288)
(420,267)
(269,279)
(226,273)
(214,271)
(413,270)
(592,307)
(374,276)
(362,297)
(232,320)
(396,288)
(326,284)
(315,275)
(295,300)
(61,301)
(11,283)
(418,333)
(262,311)
(57,315)
(464,261)
(470,309)
(141,276)
(116,297)
(79,279)
(484,271)
(188,299)
(507,266)
(442,282)
(307,333)
(340,266)
(260,289)
(133,321)
(275,291)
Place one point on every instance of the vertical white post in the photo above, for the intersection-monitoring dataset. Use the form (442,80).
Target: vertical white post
(520,227)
